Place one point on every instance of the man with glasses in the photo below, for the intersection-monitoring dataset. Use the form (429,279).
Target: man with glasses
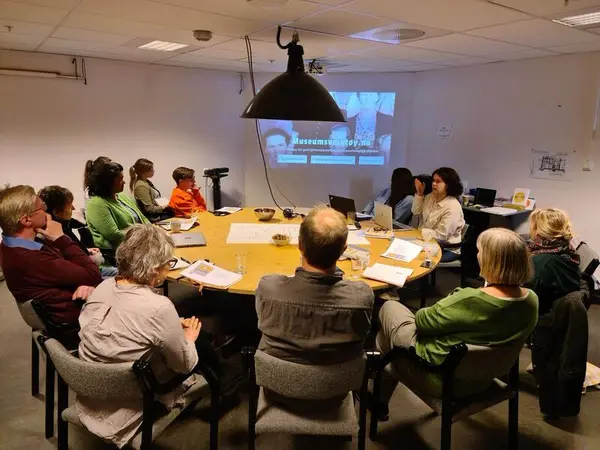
(39,261)
(186,198)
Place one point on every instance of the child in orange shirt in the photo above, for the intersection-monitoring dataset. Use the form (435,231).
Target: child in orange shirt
(186,197)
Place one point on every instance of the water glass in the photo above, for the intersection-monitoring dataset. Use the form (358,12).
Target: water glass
(351,216)
(359,265)
(175,227)
(241,266)
(431,249)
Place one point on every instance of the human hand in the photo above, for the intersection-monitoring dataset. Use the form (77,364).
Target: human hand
(83,293)
(191,328)
(419,187)
(52,231)
(94,251)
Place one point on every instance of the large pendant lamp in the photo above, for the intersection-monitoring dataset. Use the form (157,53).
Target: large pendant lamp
(294,95)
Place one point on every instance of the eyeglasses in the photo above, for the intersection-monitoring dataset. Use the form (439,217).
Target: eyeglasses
(172,262)
(44,208)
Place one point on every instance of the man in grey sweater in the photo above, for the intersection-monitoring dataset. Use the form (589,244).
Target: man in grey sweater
(315,317)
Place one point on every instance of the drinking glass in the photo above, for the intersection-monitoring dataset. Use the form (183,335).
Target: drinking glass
(351,216)
(241,263)
(359,265)
(175,227)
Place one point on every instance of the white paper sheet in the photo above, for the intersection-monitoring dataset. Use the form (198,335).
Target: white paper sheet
(499,210)
(229,209)
(357,238)
(257,233)
(402,250)
(388,274)
(186,224)
(206,273)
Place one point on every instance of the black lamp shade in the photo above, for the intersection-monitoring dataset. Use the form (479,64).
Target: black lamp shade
(294,96)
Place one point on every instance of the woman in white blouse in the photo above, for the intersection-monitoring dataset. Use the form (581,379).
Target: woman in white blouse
(441,212)
(124,319)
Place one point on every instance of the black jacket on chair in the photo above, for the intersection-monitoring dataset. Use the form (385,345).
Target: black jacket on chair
(559,354)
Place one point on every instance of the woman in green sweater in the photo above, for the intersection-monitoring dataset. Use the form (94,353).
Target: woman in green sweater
(500,313)
(109,211)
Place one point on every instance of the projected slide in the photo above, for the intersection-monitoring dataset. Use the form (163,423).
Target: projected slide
(364,140)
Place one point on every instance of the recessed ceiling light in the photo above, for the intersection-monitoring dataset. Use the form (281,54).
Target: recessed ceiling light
(581,20)
(391,34)
(162,46)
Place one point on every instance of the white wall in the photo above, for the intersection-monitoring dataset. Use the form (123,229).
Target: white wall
(310,184)
(172,116)
(499,112)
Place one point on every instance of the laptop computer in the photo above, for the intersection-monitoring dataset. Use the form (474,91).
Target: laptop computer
(485,197)
(384,217)
(188,240)
(344,205)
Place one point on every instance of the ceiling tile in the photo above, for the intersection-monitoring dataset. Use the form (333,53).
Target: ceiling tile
(461,15)
(35,29)
(171,16)
(31,13)
(536,33)
(318,44)
(136,29)
(414,54)
(211,52)
(208,61)
(423,67)
(470,61)
(63,4)
(91,36)
(467,45)
(262,48)
(577,48)
(527,54)
(293,9)
(545,8)
(340,23)
(17,47)
(330,2)
(23,39)
(69,45)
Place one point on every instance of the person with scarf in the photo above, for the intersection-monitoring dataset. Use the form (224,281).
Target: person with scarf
(555,261)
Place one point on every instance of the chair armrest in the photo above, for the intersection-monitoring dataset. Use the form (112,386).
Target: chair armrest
(147,378)
(457,352)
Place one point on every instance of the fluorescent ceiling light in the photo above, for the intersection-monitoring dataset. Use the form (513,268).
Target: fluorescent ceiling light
(162,46)
(580,20)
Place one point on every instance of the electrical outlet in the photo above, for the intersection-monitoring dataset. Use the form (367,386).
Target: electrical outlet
(587,165)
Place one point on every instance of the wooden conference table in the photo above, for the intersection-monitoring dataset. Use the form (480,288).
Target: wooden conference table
(264,259)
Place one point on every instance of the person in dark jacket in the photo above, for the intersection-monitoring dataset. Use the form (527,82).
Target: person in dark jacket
(555,261)
(59,203)
(560,340)
(55,271)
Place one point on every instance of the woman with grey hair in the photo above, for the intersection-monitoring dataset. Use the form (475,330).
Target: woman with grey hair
(125,319)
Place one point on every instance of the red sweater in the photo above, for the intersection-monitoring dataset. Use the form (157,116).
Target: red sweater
(50,274)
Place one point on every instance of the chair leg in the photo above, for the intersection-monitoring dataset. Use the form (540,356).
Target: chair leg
(214,414)
(513,422)
(446,430)
(63,426)
(35,368)
(147,421)
(423,292)
(362,415)
(376,396)
(49,398)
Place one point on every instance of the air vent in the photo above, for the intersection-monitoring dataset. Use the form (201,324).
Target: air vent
(392,34)
(398,35)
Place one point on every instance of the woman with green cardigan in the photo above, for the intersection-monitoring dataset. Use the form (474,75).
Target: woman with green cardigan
(109,211)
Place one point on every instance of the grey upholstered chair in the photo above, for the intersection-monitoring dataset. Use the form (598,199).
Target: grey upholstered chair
(589,261)
(464,362)
(302,399)
(31,318)
(115,381)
